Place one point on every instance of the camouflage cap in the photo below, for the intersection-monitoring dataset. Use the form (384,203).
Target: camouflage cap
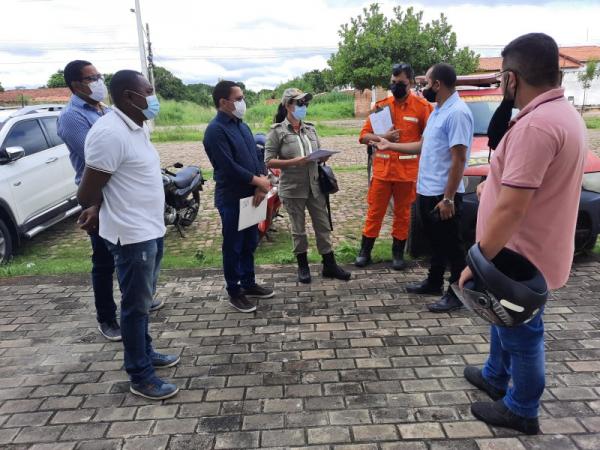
(294,94)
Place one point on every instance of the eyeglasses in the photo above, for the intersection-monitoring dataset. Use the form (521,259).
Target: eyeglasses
(302,103)
(93,78)
(237,99)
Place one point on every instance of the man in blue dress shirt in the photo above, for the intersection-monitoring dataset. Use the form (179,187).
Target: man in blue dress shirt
(239,172)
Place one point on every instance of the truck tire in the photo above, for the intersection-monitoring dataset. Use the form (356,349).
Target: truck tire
(6,243)
(417,244)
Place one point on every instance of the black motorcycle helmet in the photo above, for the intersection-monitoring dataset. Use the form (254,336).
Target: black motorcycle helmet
(507,291)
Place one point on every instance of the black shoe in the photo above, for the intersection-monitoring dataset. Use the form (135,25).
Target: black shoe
(110,330)
(449,302)
(257,291)
(241,303)
(364,255)
(475,377)
(424,287)
(332,270)
(497,414)
(398,262)
(303,269)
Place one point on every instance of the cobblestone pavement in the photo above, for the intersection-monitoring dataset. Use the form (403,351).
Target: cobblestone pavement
(331,366)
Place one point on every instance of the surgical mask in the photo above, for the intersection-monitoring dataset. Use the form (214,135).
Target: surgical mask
(99,91)
(240,109)
(299,112)
(429,95)
(153,107)
(399,90)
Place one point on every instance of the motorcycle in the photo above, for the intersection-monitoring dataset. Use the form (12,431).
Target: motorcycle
(273,200)
(182,195)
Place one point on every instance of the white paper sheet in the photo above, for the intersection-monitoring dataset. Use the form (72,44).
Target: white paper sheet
(318,154)
(381,121)
(249,215)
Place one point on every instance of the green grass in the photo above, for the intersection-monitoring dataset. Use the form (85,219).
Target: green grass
(592,122)
(330,106)
(176,134)
(183,113)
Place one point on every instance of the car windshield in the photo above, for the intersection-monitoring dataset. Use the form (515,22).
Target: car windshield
(482,114)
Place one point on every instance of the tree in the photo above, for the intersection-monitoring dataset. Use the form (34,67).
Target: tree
(1,88)
(57,79)
(107,78)
(592,71)
(369,46)
(167,85)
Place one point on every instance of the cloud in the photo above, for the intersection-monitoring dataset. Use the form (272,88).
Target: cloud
(262,43)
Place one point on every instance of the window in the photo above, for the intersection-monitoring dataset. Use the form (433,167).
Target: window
(50,123)
(27,134)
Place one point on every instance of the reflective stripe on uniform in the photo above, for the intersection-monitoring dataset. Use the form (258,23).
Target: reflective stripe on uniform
(387,156)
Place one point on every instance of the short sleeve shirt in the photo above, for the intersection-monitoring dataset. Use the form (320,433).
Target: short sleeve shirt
(132,210)
(543,150)
(449,125)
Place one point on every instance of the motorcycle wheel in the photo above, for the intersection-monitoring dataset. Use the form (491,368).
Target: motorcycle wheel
(190,213)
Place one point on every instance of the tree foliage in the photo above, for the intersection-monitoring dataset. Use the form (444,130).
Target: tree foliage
(57,79)
(591,72)
(1,88)
(168,85)
(371,43)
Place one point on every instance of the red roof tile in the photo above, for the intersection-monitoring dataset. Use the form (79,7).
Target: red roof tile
(582,53)
(46,95)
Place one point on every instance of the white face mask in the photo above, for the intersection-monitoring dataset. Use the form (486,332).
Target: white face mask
(240,109)
(99,91)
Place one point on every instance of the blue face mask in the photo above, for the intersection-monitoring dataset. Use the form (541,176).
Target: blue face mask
(299,112)
(153,106)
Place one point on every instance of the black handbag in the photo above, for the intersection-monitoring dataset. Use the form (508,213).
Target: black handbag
(329,185)
(327,180)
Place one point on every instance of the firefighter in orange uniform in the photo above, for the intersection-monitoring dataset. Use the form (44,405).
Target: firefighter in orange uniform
(394,173)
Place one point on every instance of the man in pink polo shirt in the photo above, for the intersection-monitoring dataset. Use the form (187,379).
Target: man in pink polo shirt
(529,204)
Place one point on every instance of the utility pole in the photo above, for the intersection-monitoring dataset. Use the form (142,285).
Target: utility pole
(140,30)
(150,58)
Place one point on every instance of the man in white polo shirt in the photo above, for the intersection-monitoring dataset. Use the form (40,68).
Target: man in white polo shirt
(122,187)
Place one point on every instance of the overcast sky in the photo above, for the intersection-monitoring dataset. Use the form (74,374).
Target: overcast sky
(260,42)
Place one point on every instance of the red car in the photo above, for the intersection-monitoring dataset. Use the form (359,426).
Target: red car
(482,94)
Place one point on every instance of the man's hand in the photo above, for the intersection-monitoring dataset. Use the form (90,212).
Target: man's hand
(259,196)
(465,276)
(383,144)
(263,183)
(480,189)
(446,210)
(88,219)
(392,135)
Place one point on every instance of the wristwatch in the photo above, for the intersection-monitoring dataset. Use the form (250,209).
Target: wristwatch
(448,201)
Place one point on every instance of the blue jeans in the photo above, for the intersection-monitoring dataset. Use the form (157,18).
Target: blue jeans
(518,353)
(238,249)
(138,266)
(103,267)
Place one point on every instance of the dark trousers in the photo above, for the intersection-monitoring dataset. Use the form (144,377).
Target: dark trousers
(446,241)
(103,267)
(138,266)
(238,249)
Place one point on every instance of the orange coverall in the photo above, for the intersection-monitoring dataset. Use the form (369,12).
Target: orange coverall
(396,173)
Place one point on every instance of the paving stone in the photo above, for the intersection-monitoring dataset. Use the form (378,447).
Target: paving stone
(245,439)
(128,429)
(372,433)
(84,431)
(282,438)
(328,435)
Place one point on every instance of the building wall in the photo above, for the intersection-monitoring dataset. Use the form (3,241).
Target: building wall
(573,89)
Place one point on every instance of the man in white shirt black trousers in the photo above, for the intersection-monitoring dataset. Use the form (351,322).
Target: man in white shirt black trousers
(122,190)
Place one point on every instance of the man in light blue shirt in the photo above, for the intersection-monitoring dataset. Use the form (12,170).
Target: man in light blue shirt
(444,151)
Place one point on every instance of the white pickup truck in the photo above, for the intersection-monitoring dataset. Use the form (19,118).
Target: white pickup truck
(37,187)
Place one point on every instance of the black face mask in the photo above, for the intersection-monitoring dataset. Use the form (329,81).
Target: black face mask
(429,95)
(399,90)
(500,121)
